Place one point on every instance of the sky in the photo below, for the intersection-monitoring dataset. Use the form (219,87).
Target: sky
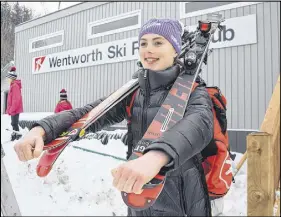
(42,8)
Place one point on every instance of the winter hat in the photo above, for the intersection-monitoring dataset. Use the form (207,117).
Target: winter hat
(63,94)
(12,73)
(168,28)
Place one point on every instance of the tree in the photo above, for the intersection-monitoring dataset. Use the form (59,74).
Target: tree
(11,16)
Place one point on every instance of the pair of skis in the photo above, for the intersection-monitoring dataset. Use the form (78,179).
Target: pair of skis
(194,53)
(55,148)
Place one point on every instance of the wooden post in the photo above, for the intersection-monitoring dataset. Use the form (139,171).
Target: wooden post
(271,119)
(260,178)
(263,151)
(271,125)
(278,208)
(277,202)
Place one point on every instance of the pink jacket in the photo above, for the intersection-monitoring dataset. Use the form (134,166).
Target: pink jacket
(62,106)
(14,99)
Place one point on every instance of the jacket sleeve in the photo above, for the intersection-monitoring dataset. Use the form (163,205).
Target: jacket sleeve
(57,109)
(191,134)
(57,123)
(70,106)
(16,95)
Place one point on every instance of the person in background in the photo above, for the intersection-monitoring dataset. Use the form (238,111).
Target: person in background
(63,104)
(14,102)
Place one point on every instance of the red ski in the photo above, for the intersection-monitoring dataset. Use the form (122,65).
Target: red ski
(55,148)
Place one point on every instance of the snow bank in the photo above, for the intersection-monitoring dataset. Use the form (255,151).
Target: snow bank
(80,182)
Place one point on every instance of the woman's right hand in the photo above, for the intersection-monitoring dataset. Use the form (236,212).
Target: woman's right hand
(31,146)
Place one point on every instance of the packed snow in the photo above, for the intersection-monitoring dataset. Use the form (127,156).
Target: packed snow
(80,182)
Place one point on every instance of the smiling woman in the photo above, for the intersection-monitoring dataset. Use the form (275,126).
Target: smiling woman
(176,150)
(156,53)
(160,43)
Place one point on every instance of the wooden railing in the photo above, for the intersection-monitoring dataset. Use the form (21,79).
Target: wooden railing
(263,161)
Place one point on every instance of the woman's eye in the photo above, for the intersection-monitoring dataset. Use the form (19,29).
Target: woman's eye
(158,43)
(143,44)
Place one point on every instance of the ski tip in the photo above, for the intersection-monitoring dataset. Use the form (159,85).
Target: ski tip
(43,171)
(144,200)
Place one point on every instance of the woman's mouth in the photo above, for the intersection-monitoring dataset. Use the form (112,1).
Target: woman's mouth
(151,60)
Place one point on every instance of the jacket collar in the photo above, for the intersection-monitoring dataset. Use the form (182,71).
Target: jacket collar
(157,79)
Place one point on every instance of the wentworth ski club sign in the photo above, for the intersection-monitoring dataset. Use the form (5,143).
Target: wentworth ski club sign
(112,52)
(235,32)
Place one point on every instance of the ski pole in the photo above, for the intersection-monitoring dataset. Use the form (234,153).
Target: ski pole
(240,164)
(13,131)
(99,153)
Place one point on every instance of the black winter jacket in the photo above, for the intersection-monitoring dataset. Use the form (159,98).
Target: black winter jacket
(185,191)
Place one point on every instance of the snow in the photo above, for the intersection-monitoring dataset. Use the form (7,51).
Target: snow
(80,182)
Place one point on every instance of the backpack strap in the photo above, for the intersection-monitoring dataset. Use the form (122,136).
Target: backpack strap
(129,107)
(194,86)
(219,105)
(129,138)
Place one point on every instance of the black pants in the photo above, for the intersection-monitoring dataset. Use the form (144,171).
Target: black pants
(15,122)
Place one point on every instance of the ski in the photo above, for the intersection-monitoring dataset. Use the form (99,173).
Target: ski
(13,131)
(77,130)
(173,108)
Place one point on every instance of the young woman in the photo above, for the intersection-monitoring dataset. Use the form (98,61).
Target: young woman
(14,102)
(185,191)
(63,104)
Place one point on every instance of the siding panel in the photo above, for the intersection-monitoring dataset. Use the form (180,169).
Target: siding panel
(246,74)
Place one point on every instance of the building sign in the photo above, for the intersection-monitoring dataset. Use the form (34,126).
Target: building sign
(235,32)
(112,52)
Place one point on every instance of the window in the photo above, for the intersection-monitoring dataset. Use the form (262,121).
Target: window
(46,41)
(192,9)
(111,25)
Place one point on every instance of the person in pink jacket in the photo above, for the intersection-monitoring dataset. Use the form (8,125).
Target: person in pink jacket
(14,103)
(63,104)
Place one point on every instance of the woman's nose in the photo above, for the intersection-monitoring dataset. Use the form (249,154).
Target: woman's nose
(149,48)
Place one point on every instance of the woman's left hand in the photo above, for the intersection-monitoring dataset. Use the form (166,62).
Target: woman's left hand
(131,176)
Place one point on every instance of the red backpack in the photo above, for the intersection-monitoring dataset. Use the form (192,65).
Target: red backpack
(217,159)
(216,156)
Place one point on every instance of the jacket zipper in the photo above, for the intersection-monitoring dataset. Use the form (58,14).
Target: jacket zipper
(182,197)
(146,101)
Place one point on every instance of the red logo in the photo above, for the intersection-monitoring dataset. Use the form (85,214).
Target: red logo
(38,63)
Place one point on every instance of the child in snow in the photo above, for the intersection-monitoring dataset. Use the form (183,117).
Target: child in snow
(14,102)
(185,190)
(63,104)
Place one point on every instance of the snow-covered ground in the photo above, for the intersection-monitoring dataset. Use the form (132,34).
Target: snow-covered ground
(80,182)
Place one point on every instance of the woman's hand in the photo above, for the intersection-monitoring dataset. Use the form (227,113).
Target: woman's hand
(131,176)
(31,146)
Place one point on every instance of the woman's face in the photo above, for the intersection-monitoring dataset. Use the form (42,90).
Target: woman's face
(9,80)
(156,52)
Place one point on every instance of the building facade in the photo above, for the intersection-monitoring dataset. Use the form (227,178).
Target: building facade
(90,49)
